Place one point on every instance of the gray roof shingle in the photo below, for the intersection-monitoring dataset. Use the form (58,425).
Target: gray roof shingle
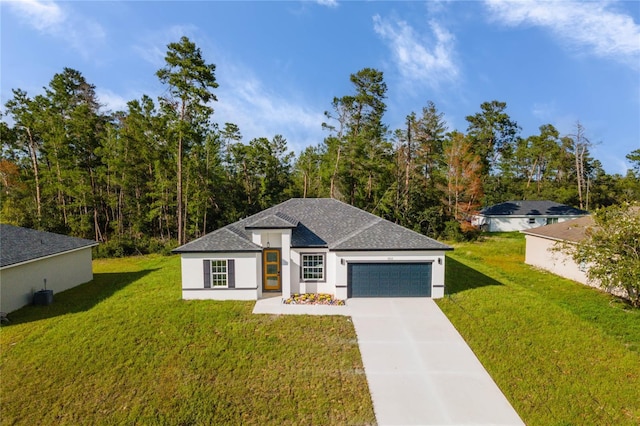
(273,221)
(227,239)
(570,230)
(319,222)
(19,245)
(531,208)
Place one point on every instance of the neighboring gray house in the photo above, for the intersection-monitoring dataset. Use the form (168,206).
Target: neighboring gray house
(520,215)
(312,245)
(29,257)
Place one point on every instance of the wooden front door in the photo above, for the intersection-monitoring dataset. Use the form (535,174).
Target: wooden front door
(271,270)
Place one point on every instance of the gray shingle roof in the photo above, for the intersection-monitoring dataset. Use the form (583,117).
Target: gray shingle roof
(531,208)
(319,222)
(227,239)
(570,230)
(273,221)
(19,245)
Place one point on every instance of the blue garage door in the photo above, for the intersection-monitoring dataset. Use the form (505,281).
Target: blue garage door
(389,280)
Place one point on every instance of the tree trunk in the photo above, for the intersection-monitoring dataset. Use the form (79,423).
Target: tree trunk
(407,167)
(61,197)
(304,188)
(36,174)
(333,176)
(179,192)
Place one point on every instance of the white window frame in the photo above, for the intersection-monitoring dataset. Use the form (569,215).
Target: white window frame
(322,268)
(532,220)
(219,274)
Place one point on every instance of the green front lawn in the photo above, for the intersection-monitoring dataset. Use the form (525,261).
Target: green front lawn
(561,352)
(125,349)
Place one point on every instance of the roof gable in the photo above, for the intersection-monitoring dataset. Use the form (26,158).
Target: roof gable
(531,208)
(319,222)
(278,220)
(20,245)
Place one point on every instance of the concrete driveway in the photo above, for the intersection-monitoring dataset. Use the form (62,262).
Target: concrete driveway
(419,369)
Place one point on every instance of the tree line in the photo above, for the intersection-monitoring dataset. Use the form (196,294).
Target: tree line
(163,172)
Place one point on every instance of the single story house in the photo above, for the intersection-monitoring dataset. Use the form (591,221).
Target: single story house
(542,243)
(542,246)
(312,245)
(520,215)
(31,260)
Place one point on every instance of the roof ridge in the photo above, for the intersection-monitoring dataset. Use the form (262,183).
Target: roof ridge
(288,218)
(235,231)
(352,234)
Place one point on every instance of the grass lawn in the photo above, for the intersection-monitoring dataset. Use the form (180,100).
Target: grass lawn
(125,349)
(562,353)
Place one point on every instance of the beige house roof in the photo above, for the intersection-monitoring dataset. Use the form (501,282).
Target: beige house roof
(570,230)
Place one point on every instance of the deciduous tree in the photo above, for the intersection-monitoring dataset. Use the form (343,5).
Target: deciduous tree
(464,168)
(611,249)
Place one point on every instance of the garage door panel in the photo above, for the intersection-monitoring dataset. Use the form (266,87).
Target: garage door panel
(389,279)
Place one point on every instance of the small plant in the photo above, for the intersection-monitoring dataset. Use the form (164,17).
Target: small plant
(313,299)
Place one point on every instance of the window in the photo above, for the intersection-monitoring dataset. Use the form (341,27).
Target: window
(312,267)
(219,273)
(532,220)
(551,220)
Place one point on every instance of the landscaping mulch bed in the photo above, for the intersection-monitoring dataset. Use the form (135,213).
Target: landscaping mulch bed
(313,299)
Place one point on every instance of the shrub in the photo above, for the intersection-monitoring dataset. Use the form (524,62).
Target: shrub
(126,246)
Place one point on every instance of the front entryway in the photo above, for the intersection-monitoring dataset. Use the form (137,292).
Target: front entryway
(271,270)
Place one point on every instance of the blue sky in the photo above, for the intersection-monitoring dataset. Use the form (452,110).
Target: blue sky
(280,64)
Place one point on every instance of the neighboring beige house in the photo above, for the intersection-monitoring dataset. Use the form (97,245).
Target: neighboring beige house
(520,215)
(312,245)
(540,244)
(29,257)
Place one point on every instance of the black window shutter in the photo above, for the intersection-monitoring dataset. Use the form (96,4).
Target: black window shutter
(207,273)
(231,273)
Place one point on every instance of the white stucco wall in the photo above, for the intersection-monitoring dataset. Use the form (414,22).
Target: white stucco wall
(62,272)
(539,252)
(299,286)
(285,268)
(248,268)
(519,223)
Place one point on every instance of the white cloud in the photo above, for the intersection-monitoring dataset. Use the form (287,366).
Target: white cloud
(49,18)
(261,112)
(112,101)
(43,16)
(328,3)
(594,25)
(428,62)
(243,99)
(153,47)
(544,111)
